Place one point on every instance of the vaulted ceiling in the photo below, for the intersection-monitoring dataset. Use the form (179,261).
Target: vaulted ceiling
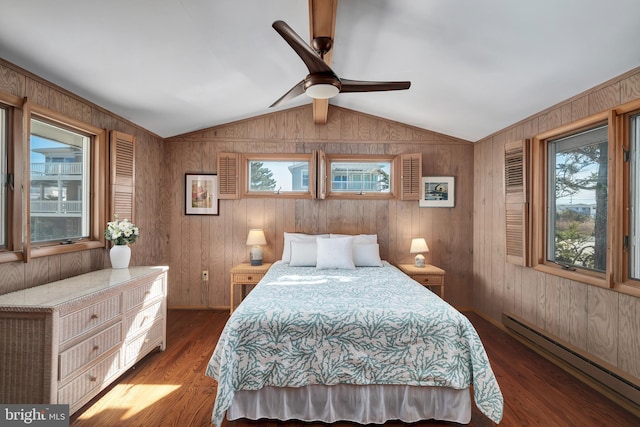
(174,66)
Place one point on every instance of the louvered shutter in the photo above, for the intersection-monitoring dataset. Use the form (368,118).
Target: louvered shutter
(122,158)
(516,201)
(228,175)
(410,176)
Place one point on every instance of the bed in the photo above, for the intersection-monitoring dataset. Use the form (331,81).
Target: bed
(333,340)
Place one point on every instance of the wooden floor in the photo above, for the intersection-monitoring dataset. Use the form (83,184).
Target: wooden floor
(170,389)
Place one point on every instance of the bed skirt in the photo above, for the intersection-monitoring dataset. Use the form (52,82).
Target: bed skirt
(360,404)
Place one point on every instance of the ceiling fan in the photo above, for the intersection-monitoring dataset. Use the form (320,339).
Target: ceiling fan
(322,82)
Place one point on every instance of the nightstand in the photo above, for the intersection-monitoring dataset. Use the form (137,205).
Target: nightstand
(246,274)
(429,275)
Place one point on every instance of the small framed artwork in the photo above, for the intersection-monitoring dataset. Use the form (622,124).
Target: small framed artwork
(201,194)
(437,192)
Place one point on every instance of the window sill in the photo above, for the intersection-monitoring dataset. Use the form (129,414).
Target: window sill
(8,256)
(283,195)
(57,249)
(628,288)
(594,279)
(363,196)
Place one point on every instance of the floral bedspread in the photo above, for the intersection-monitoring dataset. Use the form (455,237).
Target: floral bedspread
(373,325)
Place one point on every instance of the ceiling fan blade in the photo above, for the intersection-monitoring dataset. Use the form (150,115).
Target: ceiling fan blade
(364,86)
(298,89)
(310,57)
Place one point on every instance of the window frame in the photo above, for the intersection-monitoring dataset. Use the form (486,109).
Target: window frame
(622,281)
(99,180)
(284,157)
(13,250)
(4,174)
(355,158)
(539,157)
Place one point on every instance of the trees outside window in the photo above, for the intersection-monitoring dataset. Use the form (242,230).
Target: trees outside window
(577,199)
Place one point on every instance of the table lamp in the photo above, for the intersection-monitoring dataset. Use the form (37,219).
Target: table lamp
(255,239)
(418,246)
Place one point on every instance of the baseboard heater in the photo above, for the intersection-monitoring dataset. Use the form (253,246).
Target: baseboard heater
(626,391)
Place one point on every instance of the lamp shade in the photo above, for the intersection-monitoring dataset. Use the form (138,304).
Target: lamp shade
(256,237)
(418,246)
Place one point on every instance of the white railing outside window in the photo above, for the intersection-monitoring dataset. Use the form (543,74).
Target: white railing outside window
(56,169)
(56,206)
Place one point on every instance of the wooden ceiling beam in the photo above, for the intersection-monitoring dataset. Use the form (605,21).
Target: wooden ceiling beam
(322,23)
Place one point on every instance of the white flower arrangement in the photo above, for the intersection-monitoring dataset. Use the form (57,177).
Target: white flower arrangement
(121,232)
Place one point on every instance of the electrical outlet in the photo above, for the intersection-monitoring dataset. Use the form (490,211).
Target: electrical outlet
(205,275)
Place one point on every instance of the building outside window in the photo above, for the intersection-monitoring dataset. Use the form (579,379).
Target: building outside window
(360,177)
(59,188)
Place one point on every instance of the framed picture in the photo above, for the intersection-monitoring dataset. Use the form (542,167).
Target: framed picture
(437,192)
(201,194)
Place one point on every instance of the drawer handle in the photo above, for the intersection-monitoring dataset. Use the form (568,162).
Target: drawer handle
(147,293)
(249,277)
(94,316)
(426,280)
(96,347)
(93,378)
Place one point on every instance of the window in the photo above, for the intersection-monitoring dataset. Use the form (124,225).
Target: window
(572,202)
(4,177)
(577,190)
(59,183)
(632,242)
(67,176)
(585,200)
(53,190)
(369,176)
(285,174)
(311,175)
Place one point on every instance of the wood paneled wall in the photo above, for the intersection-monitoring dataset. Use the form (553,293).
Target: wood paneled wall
(467,241)
(148,249)
(216,243)
(602,322)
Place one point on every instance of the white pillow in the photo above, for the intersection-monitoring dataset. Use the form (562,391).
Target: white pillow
(359,238)
(367,255)
(289,237)
(303,253)
(335,253)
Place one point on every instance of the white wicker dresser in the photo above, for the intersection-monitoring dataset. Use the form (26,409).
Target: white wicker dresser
(65,341)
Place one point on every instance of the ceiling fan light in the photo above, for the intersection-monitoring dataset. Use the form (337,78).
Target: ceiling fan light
(322,91)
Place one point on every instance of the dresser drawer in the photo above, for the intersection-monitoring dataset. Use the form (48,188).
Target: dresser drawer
(248,278)
(90,380)
(137,347)
(144,318)
(143,293)
(78,322)
(428,279)
(89,350)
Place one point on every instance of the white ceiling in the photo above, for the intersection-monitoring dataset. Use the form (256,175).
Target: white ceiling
(174,66)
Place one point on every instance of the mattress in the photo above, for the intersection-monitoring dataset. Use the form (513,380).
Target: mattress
(301,326)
